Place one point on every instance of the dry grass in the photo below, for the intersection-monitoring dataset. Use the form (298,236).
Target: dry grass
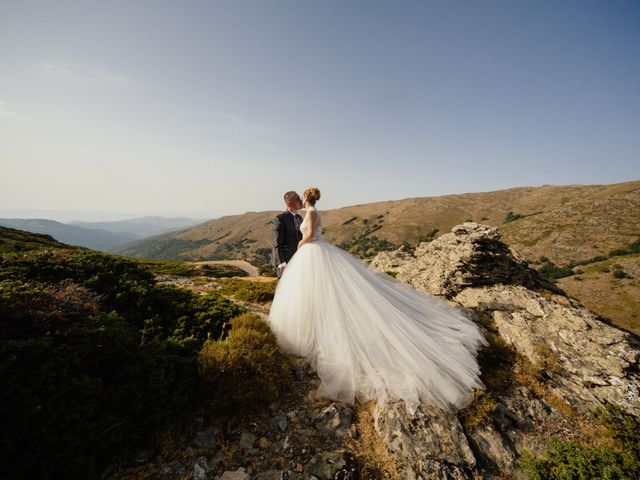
(372,455)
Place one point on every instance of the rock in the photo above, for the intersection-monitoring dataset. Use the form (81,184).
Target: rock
(430,445)
(585,360)
(247,440)
(336,418)
(264,443)
(582,359)
(278,475)
(338,464)
(239,474)
(280,422)
(171,471)
(205,435)
(201,469)
(470,255)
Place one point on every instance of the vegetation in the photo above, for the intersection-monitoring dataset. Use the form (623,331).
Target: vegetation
(512,217)
(94,355)
(14,240)
(367,247)
(164,247)
(427,237)
(248,290)
(553,272)
(246,367)
(517,216)
(194,270)
(262,259)
(627,249)
(617,459)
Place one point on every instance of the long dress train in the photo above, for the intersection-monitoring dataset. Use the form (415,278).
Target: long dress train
(370,336)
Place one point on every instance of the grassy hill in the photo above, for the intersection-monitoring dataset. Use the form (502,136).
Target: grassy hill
(97,239)
(14,240)
(563,223)
(556,225)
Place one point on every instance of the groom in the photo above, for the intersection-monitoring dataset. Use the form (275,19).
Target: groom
(286,232)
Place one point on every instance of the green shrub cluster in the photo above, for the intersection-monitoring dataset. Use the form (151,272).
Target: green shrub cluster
(248,290)
(570,460)
(94,355)
(553,272)
(247,367)
(367,246)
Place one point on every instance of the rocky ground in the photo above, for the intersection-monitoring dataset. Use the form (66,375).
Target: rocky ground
(301,436)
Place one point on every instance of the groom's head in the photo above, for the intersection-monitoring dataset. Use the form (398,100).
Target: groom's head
(293,201)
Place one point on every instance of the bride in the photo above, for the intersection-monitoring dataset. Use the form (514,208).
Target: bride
(368,335)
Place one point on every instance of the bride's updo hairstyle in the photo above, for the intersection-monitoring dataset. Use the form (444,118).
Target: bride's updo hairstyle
(313,195)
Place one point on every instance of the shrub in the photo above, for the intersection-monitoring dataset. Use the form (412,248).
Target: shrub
(552,272)
(94,355)
(248,290)
(247,367)
(572,460)
(619,274)
(512,217)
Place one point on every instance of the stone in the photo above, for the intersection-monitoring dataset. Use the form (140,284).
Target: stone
(171,471)
(431,444)
(247,440)
(239,474)
(280,422)
(335,418)
(337,464)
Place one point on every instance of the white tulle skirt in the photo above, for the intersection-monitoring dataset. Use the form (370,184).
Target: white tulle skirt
(370,336)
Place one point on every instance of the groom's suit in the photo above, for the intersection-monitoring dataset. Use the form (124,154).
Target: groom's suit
(286,235)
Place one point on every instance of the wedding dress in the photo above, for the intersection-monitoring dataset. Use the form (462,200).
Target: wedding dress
(368,335)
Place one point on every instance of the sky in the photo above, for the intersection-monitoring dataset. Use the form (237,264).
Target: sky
(117,109)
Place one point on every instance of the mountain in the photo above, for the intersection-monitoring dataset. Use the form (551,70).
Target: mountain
(141,227)
(564,223)
(86,237)
(551,226)
(13,240)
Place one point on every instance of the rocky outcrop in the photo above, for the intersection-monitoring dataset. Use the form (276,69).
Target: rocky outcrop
(471,255)
(584,360)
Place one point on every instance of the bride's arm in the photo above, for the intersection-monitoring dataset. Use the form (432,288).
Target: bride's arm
(307,237)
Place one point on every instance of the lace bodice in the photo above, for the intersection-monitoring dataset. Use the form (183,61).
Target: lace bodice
(318,230)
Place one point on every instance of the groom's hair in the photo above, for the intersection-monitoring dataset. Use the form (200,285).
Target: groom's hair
(290,195)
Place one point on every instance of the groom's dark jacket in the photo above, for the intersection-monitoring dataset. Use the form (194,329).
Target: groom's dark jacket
(285,237)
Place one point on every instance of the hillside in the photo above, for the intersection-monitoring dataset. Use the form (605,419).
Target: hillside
(564,223)
(141,227)
(12,239)
(71,234)
(568,223)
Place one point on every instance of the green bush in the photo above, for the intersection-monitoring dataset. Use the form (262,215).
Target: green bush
(248,290)
(94,355)
(512,217)
(571,460)
(552,272)
(247,367)
(367,246)
(619,274)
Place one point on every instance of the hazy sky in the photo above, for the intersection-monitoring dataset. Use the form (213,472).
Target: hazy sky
(204,108)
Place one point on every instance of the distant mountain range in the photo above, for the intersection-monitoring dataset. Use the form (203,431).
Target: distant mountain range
(104,236)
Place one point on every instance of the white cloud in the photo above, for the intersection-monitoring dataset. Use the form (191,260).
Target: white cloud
(53,67)
(4,113)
